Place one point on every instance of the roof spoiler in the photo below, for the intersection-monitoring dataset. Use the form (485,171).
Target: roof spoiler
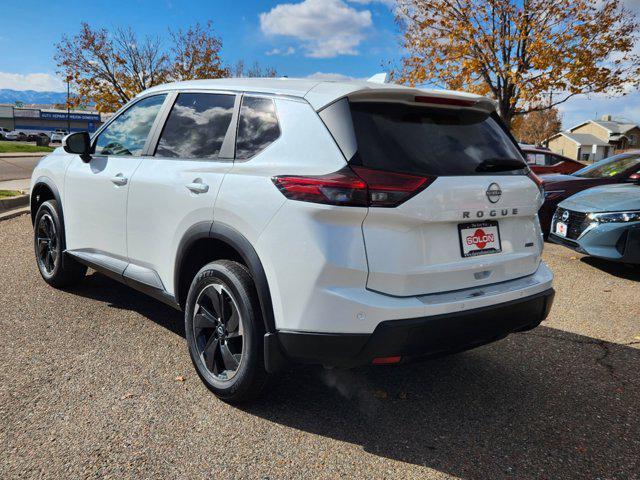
(379,78)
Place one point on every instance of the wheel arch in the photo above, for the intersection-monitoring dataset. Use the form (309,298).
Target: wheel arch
(208,241)
(44,189)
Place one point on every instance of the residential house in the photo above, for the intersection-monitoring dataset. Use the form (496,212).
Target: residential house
(580,146)
(594,140)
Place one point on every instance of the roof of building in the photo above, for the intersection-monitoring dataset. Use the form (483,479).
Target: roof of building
(582,138)
(319,93)
(614,128)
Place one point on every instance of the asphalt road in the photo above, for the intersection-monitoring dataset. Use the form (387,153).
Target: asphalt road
(96,382)
(18,166)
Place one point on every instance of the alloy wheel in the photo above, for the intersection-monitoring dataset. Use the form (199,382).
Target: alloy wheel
(217,330)
(47,244)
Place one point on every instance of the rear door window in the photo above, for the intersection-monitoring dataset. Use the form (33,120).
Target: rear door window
(257,126)
(432,141)
(197,126)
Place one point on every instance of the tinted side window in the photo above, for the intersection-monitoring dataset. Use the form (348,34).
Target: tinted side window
(257,127)
(196,126)
(127,134)
(552,159)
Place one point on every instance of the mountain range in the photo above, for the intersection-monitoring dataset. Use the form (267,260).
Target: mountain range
(30,96)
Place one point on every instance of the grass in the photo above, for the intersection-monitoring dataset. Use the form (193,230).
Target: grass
(8,193)
(18,147)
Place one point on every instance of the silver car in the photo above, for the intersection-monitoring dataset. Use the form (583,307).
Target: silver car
(602,222)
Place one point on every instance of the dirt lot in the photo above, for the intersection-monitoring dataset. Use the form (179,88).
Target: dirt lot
(89,388)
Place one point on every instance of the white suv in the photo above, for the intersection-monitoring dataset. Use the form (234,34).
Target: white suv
(335,223)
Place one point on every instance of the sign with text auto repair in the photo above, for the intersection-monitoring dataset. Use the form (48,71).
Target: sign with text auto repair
(72,116)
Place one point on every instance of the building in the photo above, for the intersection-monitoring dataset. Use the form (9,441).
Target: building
(580,146)
(47,120)
(594,140)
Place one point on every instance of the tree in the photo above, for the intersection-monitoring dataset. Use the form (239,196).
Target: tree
(109,69)
(537,126)
(519,51)
(255,71)
(197,54)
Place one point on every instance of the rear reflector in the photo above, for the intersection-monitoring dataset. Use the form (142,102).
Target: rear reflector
(354,187)
(386,360)
(458,102)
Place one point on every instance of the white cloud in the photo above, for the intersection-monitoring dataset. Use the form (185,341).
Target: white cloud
(326,28)
(281,51)
(582,108)
(40,82)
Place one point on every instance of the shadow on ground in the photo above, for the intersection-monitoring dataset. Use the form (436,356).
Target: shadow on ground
(620,270)
(541,404)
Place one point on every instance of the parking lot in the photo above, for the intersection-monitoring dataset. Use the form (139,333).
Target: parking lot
(97,382)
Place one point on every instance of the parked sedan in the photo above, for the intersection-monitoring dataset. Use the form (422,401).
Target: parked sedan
(544,162)
(16,136)
(621,168)
(602,221)
(33,137)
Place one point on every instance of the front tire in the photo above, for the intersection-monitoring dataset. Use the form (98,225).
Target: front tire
(225,331)
(49,248)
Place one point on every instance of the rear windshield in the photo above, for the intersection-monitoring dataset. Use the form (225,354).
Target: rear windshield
(432,141)
(609,167)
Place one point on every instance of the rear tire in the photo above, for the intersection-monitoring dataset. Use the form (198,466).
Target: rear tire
(225,331)
(57,270)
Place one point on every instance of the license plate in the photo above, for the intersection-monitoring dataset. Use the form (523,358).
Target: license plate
(561,229)
(480,238)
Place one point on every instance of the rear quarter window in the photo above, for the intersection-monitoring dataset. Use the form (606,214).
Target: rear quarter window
(430,141)
(257,127)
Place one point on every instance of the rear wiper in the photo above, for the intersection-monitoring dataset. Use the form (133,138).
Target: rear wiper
(500,165)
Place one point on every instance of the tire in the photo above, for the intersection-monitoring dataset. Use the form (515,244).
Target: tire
(57,270)
(225,331)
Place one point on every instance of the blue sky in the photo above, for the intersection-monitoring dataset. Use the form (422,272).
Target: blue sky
(322,38)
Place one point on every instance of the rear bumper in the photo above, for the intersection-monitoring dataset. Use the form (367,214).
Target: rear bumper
(418,337)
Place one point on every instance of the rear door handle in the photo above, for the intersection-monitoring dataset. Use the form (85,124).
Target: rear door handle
(119,179)
(198,187)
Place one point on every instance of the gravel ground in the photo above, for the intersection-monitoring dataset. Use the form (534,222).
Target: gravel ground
(97,382)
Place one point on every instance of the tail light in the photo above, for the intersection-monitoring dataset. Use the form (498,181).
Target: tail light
(353,187)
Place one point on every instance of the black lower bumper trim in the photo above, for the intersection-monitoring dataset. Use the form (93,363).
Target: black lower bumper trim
(418,337)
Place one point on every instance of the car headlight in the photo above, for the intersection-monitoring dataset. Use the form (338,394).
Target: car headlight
(615,217)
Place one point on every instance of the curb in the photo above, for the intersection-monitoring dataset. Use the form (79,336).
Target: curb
(14,213)
(23,154)
(13,203)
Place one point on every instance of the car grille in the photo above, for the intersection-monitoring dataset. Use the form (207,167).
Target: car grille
(576,224)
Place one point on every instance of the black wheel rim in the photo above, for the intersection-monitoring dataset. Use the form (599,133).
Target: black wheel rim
(217,331)
(47,244)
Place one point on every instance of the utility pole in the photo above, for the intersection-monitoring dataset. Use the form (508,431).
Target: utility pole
(68,106)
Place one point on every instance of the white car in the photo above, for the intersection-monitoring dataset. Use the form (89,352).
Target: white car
(4,132)
(331,223)
(15,135)
(58,135)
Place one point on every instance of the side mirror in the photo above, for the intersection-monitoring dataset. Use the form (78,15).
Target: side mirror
(78,143)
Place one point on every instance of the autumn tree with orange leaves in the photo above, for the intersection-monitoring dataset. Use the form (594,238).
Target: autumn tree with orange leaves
(108,69)
(529,55)
(537,126)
